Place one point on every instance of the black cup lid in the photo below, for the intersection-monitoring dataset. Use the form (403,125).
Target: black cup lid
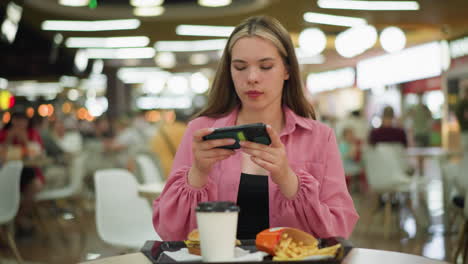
(217,206)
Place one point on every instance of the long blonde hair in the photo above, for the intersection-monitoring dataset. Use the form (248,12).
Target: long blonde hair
(222,97)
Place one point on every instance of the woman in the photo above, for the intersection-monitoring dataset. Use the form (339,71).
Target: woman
(297,181)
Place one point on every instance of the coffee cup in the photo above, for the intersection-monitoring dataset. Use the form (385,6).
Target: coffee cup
(217,224)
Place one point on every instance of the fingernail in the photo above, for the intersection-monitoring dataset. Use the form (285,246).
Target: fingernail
(268,126)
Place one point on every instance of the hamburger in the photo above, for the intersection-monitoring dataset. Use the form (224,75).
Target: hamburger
(193,242)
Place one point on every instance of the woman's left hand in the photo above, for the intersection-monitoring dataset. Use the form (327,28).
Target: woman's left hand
(272,158)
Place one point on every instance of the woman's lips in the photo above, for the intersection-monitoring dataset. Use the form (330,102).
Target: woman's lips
(253,94)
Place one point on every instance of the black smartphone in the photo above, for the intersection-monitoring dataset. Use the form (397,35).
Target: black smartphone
(251,132)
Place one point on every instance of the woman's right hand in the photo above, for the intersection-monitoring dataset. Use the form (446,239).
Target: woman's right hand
(206,153)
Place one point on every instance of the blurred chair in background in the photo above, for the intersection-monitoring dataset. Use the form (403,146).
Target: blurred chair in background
(123,218)
(462,246)
(387,177)
(66,198)
(150,172)
(10,201)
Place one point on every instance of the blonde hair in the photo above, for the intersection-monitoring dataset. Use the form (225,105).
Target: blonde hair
(222,97)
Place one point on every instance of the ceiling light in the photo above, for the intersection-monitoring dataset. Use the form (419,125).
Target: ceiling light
(81,60)
(199,83)
(142,3)
(154,85)
(368,5)
(199,59)
(333,20)
(139,74)
(199,30)
(98,25)
(190,46)
(392,39)
(148,11)
(312,41)
(3,83)
(126,53)
(114,42)
(178,84)
(165,60)
(98,66)
(74,2)
(355,40)
(214,3)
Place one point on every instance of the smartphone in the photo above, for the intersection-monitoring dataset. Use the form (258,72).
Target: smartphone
(251,132)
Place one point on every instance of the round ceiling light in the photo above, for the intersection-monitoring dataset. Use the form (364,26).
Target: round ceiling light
(165,60)
(356,40)
(214,3)
(143,3)
(312,41)
(392,39)
(74,2)
(148,11)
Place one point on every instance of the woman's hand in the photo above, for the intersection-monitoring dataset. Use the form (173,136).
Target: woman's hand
(205,154)
(273,158)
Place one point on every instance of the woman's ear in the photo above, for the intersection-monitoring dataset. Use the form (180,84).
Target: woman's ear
(286,73)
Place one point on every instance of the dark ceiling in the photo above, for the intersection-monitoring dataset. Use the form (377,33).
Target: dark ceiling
(32,54)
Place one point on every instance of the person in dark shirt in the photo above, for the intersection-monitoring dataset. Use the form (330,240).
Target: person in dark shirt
(461,112)
(387,132)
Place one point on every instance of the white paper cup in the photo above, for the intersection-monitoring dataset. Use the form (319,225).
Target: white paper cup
(217,225)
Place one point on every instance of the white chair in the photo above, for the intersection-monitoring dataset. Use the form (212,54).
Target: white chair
(461,249)
(385,168)
(73,188)
(149,171)
(122,217)
(9,201)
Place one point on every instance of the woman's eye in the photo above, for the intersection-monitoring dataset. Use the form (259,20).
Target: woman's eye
(240,68)
(266,67)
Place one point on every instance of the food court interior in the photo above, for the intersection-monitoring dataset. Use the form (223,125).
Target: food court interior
(109,86)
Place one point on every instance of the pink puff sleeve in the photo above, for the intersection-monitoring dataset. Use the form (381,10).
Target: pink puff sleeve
(322,205)
(174,210)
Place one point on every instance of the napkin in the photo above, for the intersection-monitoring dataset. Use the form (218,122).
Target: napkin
(239,255)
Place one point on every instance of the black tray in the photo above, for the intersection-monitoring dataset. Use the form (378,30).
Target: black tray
(154,251)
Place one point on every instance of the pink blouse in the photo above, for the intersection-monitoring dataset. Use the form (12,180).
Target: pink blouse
(322,205)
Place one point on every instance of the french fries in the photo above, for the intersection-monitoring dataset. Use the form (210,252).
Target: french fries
(289,249)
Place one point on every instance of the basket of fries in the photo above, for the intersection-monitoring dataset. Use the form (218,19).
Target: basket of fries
(286,244)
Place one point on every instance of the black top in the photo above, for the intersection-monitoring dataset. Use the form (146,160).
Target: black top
(253,202)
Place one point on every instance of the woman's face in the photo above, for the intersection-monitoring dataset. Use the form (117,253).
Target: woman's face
(258,73)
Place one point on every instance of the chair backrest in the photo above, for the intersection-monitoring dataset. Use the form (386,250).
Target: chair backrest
(149,171)
(461,177)
(77,172)
(72,142)
(122,217)
(385,168)
(9,190)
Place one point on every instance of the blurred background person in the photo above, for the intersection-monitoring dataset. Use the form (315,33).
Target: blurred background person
(167,138)
(421,122)
(351,152)
(388,132)
(357,123)
(20,141)
(461,112)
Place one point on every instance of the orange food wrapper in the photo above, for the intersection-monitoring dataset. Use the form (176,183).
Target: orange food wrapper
(268,239)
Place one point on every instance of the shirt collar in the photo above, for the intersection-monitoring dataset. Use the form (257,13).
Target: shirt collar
(292,120)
